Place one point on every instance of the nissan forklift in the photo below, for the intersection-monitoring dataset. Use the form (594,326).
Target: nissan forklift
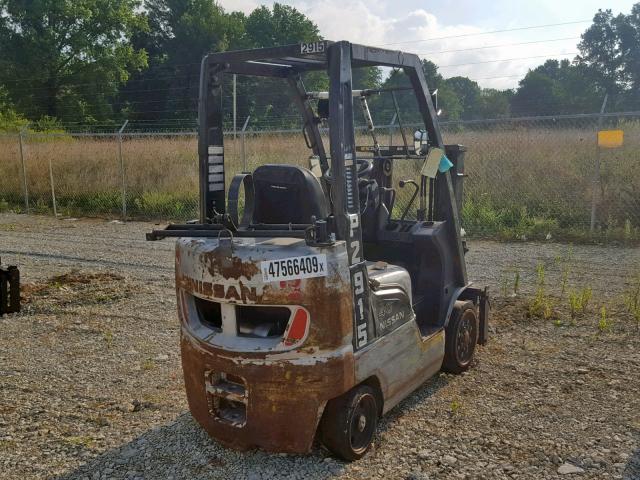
(311,304)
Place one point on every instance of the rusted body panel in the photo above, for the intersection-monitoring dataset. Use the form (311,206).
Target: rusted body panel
(285,399)
(278,417)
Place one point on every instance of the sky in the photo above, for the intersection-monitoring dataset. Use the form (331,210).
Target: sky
(473,47)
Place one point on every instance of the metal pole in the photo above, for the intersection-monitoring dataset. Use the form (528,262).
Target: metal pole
(243,152)
(24,170)
(596,173)
(235,108)
(53,190)
(391,125)
(122,172)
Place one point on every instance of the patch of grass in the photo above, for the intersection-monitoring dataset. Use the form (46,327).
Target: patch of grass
(80,441)
(148,364)
(107,335)
(579,302)
(456,407)
(541,306)
(604,323)
(632,301)
(516,282)
(165,205)
(7,444)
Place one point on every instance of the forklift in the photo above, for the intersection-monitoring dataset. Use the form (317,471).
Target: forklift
(319,306)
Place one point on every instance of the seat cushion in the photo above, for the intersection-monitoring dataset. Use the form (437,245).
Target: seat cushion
(287,194)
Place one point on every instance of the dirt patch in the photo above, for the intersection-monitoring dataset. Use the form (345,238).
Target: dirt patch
(75,288)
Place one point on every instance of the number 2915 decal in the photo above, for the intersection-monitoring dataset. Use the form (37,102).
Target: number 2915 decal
(308,48)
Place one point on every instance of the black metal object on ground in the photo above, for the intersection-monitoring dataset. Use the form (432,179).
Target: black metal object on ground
(9,289)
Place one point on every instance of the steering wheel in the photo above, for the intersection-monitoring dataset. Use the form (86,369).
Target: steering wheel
(365,167)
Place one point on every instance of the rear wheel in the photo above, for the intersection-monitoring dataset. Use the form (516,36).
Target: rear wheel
(461,337)
(349,423)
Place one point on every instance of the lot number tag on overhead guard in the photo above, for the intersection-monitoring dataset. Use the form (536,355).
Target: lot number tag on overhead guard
(293,268)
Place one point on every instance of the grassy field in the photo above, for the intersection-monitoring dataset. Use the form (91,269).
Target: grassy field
(523,179)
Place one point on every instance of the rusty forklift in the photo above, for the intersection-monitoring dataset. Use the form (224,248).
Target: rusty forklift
(321,305)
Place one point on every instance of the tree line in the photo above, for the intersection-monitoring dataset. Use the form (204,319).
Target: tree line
(99,62)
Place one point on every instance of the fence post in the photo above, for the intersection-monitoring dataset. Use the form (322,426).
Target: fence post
(122,171)
(596,173)
(24,169)
(243,152)
(53,190)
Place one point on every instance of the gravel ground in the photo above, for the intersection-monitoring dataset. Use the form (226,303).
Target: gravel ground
(91,385)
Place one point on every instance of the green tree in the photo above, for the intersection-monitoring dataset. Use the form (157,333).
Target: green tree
(269,101)
(10,121)
(610,51)
(468,93)
(383,108)
(556,87)
(181,32)
(492,103)
(66,58)
(281,25)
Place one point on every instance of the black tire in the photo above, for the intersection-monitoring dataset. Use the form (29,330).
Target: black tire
(349,423)
(461,337)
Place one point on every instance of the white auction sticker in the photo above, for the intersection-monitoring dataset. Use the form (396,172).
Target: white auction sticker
(293,268)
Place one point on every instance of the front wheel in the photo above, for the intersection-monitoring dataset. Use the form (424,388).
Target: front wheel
(349,423)
(461,337)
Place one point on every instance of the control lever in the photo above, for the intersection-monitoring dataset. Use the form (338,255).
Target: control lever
(402,184)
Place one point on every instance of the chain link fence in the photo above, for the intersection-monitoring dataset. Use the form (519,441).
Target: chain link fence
(531,178)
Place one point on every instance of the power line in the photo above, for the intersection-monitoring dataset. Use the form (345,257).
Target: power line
(487,32)
(506,60)
(498,46)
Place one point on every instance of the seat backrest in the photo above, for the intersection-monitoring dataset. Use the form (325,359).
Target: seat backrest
(287,194)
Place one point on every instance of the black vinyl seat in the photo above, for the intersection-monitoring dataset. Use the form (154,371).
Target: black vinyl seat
(287,194)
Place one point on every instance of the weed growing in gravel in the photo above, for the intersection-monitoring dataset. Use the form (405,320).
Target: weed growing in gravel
(564,261)
(578,302)
(632,301)
(504,283)
(541,305)
(456,406)
(604,323)
(108,337)
(84,441)
(148,364)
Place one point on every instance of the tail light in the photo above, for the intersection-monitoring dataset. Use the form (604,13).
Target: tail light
(297,329)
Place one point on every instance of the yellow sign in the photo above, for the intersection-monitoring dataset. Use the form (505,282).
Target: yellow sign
(610,138)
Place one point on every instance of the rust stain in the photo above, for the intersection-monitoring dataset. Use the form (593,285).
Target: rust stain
(220,263)
(271,402)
